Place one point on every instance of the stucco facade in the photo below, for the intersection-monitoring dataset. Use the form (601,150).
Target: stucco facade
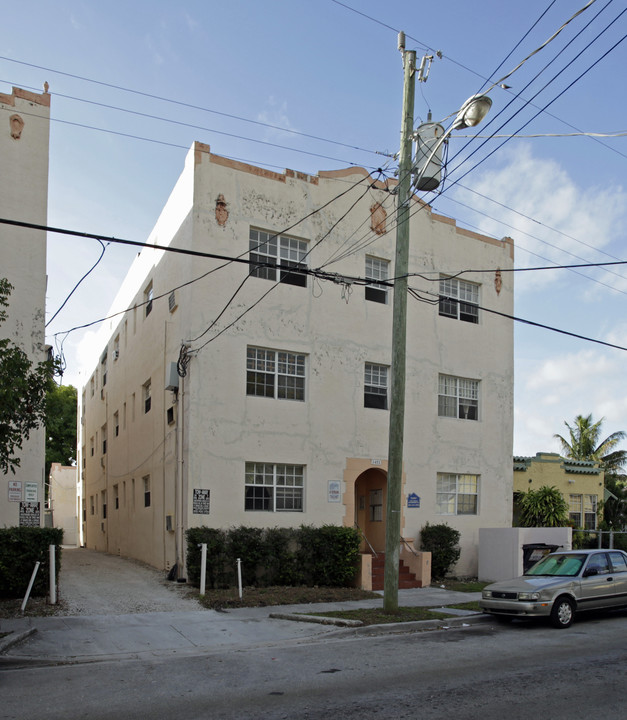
(24,142)
(62,501)
(278,416)
(581,483)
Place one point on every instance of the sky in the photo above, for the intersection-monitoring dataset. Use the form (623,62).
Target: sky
(317,85)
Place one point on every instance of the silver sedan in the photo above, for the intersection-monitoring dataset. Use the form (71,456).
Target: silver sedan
(560,585)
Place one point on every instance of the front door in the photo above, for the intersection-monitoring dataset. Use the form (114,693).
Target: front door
(370,501)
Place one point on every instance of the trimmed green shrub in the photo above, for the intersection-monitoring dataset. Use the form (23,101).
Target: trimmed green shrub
(441,541)
(216,555)
(20,549)
(275,556)
(328,555)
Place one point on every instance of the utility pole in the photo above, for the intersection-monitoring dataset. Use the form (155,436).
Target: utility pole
(399,332)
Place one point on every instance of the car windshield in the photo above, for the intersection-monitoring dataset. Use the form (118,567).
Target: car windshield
(558,566)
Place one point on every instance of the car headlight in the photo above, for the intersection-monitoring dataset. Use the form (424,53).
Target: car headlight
(529,596)
(486,594)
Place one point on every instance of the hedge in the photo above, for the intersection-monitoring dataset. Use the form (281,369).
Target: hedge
(20,549)
(307,555)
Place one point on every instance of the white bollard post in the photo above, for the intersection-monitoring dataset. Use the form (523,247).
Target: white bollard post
(53,576)
(239,576)
(203,567)
(30,586)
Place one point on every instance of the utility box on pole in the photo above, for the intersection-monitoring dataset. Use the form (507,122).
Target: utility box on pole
(427,165)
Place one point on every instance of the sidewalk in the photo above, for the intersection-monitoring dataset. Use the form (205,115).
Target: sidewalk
(89,638)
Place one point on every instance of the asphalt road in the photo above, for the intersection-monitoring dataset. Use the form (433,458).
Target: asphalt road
(484,671)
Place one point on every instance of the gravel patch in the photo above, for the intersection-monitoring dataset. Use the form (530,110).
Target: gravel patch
(95,583)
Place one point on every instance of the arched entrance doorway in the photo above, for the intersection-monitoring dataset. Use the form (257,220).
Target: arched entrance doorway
(370,508)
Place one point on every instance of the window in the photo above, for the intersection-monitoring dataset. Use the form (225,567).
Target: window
(458,398)
(103,431)
(377,270)
(116,497)
(376,505)
(116,423)
(457,494)
(148,294)
(91,445)
(618,562)
(146,481)
(92,385)
(278,253)
(116,348)
(274,488)
(459,299)
(103,503)
(103,369)
(376,386)
(92,508)
(147,399)
(583,506)
(275,374)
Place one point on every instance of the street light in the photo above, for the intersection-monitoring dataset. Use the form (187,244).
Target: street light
(470,114)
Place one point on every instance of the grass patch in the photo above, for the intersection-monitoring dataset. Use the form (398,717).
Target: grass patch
(267,596)
(376,616)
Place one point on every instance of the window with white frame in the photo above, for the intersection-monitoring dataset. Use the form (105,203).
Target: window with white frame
(458,397)
(103,368)
(376,270)
(583,506)
(459,299)
(457,494)
(271,254)
(146,483)
(275,374)
(274,487)
(376,386)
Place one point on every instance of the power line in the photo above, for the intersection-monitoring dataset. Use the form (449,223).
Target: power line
(180,103)
(416,295)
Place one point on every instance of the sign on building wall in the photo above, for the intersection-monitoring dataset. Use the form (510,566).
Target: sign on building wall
(413,500)
(15,491)
(334,491)
(201,502)
(30,515)
(31,492)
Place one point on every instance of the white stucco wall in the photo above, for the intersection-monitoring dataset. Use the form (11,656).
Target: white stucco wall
(63,501)
(501,549)
(24,197)
(218,427)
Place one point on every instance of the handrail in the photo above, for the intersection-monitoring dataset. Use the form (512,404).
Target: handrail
(409,547)
(374,552)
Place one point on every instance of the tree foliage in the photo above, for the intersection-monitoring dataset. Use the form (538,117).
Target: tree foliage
(544,507)
(60,425)
(585,444)
(23,386)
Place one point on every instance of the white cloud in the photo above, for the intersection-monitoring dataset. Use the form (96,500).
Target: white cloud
(587,218)
(564,386)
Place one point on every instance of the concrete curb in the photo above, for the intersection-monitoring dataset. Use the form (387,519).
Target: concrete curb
(298,617)
(13,639)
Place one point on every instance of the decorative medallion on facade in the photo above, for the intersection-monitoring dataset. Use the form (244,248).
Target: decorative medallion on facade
(17,125)
(498,282)
(222,214)
(378,217)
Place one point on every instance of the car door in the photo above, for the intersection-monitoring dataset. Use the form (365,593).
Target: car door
(597,590)
(619,572)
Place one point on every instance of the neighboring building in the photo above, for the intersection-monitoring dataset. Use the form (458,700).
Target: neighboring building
(581,482)
(62,501)
(24,140)
(278,414)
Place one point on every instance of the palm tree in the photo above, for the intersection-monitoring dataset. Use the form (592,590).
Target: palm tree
(585,445)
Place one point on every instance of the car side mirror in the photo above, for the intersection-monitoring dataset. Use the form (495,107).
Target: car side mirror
(590,571)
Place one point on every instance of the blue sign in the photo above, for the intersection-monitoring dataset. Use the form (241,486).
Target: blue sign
(413,500)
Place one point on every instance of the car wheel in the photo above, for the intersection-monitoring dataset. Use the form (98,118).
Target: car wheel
(562,612)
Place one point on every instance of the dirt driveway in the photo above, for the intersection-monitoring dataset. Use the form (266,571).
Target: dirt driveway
(94,583)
